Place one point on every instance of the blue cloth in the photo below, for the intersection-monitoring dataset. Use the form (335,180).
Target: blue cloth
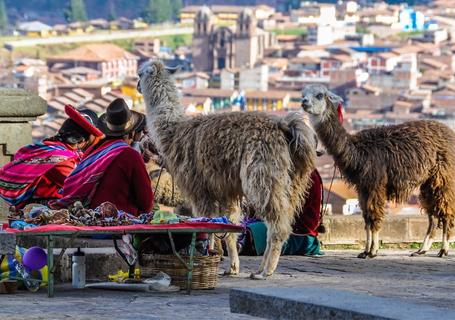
(305,245)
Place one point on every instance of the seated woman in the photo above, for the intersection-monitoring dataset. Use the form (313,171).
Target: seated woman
(38,171)
(303,240)
(112,171)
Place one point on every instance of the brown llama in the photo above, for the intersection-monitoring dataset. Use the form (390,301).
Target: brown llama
(388,163)
(218,159)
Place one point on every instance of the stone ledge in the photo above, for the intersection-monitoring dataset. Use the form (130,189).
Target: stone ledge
(19,103)
(320,303)
(395,229)
(7,243)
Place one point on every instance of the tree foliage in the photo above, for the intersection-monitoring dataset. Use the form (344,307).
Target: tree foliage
(158,11)
(112,14)
(75,11)
(3,17)
(176,7)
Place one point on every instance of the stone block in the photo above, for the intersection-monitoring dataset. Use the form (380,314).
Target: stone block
(319,303)
(394,229)
(7,243)
(14,135)
(19,103)
(418,226)
(346,229)
(99,263)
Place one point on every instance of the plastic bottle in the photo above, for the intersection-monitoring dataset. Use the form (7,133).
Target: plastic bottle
(78,269)
(30,284)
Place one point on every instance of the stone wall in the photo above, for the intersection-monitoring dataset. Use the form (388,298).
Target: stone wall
(18,108)
(395,229)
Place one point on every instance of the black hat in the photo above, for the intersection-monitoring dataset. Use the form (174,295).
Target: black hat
(119,120)
(71,132)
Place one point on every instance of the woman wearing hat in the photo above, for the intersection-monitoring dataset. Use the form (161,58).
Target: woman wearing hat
(38,171)
(112,170)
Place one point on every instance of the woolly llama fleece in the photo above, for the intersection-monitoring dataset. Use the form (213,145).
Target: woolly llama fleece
(388,163)
(220,158)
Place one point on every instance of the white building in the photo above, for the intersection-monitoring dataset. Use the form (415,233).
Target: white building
(254,78)
(311,13)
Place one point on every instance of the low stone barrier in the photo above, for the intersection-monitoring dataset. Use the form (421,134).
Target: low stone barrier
(395,229)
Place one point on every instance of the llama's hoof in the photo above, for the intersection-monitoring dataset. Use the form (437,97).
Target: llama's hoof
(372,255)
(418,253)
(363,255)
(442,253)
(258,276)
(231,272)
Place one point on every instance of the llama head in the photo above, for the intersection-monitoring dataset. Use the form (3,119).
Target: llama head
(154,76)
(319,102)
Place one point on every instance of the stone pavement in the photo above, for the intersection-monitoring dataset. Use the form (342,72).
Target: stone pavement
(422,280)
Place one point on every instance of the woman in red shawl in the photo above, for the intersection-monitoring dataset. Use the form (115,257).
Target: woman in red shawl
(38,171)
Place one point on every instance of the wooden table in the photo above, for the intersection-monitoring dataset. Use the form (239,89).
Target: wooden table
(51,231)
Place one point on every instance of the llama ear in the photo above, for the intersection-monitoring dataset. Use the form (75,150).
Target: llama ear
(150,68)
(172,70)
(333,98)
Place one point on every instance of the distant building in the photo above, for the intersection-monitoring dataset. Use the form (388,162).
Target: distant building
(110,60)
(195,80)
(254,78)
(147,46)
(218,47)
(221,99)
(313,13)
(31,74)
(245,78)
(34,29)
(226,14)
(411,20)
(435,36)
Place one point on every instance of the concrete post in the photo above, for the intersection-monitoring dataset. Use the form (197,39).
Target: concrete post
(18,108)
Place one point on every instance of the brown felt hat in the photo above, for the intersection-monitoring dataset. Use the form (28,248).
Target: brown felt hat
(119,120)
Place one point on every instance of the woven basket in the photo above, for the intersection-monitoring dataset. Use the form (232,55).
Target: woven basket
(205,269)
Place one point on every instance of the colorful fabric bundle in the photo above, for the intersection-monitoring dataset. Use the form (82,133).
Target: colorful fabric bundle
(82,183)
(20,177)
(8,271)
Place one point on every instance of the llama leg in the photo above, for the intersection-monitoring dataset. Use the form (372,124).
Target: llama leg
(231,241)
(445,240)
(374,243)
(277,233)
(428,240)
(373,213)
(266,254)
(366,219)
(368,240)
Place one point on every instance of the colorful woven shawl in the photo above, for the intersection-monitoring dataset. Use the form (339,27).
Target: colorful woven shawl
(19,178)
(82,183)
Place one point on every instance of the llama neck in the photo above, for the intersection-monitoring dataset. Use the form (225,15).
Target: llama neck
(337,141)
(164,111)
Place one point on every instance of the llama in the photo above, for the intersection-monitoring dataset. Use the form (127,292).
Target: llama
(388,163)
(218,159)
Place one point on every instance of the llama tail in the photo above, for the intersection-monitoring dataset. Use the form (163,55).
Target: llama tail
(301,139)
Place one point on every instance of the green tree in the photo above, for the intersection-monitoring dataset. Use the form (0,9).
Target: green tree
(112,15)
(3,17)
(75,11)
(157,11)
(176,7)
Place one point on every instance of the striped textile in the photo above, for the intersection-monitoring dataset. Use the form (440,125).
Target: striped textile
(81,184)
(20,177)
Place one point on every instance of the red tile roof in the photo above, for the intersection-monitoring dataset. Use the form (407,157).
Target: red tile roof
(95,53)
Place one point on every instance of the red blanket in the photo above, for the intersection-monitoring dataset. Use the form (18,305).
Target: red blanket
(207,226)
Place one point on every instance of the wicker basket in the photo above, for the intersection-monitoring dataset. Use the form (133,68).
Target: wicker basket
(205,269)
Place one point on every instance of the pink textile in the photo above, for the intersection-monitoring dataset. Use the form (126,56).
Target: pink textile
(171,226)
(19,178)
(82,183)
